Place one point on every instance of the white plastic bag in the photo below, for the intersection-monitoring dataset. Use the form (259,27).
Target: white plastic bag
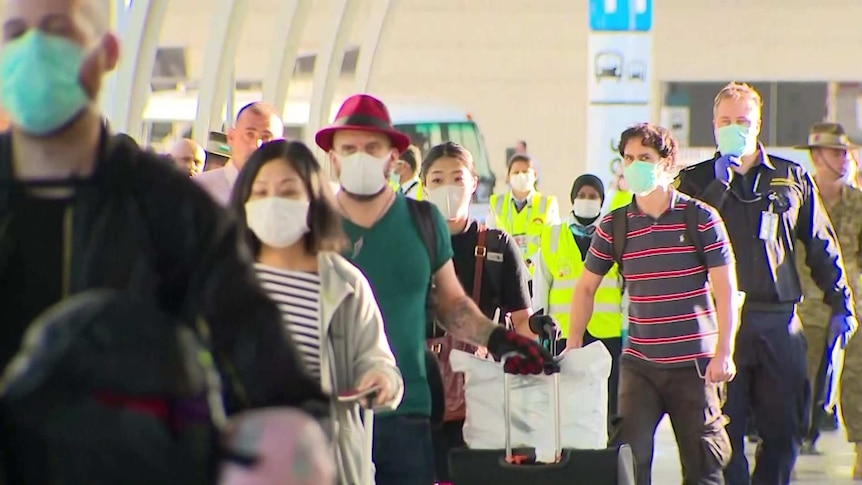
(583,403)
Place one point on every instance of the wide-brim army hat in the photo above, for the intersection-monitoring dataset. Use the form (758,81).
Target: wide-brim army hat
(827,135)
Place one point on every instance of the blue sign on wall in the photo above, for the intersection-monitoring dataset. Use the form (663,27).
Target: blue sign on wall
(621,15)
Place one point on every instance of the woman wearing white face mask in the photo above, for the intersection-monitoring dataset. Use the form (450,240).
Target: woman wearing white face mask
(450,180)
(559,265)
(284,209)
(523,212)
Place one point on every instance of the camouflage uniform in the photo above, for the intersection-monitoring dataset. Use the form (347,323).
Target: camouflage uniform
(846,217)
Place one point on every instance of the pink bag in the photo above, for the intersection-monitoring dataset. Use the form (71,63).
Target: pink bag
(277,446)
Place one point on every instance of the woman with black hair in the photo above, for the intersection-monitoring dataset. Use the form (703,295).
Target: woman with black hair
(284,209)
(488,264)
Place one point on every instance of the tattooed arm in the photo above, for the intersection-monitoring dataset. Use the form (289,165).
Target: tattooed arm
(457,312)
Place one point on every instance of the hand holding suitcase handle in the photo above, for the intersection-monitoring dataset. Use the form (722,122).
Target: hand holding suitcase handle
(529,357)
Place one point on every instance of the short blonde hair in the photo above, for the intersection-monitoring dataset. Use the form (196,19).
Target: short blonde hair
(735,90)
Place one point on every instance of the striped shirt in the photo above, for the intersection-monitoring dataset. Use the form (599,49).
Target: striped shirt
(671,314)
(298,297)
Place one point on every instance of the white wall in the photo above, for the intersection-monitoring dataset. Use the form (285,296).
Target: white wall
(786,40)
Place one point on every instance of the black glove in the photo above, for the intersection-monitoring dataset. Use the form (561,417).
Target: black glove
(545,326)
(531,357)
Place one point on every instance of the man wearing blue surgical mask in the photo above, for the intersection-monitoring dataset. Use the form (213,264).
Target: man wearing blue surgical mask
(769,205)
(82,209)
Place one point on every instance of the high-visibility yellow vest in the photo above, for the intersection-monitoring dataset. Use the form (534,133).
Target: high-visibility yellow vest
(562,257)
(524,227)
(419,188)
(621,198)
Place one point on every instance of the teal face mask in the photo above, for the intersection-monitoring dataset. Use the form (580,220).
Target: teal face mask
(641,176)
(736,140)
(41,90)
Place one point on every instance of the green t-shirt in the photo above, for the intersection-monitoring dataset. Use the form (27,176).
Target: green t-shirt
(395,261)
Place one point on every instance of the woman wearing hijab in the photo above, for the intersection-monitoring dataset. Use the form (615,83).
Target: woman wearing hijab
(559,265)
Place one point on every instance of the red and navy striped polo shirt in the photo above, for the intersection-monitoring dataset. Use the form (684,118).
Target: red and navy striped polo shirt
(672,318)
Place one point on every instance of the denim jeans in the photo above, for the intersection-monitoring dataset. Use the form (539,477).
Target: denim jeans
(403,453)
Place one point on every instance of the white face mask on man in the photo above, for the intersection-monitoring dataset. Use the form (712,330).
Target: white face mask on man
(363,174)
(278,222)
(449,199)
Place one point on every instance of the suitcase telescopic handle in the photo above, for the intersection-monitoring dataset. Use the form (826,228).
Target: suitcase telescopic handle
(507,409)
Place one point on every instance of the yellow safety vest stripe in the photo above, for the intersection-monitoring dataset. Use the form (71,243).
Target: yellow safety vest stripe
(562,257)
(526,226)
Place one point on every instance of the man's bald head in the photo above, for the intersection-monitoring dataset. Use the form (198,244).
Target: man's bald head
(256,124)
(189,156)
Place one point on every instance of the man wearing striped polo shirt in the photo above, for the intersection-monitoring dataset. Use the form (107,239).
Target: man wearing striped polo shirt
(682,320)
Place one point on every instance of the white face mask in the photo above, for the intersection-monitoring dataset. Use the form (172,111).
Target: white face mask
(276,221)
(587,208)
(449,199)
(363,174)
(522,182)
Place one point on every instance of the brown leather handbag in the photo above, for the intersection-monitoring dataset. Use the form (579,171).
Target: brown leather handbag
(453,382)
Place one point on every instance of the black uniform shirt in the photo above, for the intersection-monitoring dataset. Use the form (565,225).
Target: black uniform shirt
(513,293)
(767,270)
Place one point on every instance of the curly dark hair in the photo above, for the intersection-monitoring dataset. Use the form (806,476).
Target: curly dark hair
(653,136)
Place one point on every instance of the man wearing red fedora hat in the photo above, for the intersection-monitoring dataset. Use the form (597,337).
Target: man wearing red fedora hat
(383,228)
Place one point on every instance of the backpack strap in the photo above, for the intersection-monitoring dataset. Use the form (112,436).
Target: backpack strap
(423,217)
(620,229)
(691,228)
(422,213)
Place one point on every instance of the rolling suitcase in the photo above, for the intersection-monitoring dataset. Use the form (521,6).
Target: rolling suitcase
(612,466)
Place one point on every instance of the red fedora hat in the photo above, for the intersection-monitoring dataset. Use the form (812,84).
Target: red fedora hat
(362,112)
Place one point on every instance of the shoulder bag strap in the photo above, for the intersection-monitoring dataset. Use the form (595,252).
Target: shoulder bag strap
(481,253)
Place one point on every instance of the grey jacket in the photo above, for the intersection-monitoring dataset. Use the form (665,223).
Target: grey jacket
(355,344)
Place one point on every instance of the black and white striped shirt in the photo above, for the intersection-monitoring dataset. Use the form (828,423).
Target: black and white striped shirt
(298,297)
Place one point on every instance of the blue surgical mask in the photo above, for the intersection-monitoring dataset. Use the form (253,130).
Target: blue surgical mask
(736,140)
(41,90)
(641,176)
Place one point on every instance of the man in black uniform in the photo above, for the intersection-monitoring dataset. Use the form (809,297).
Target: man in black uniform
(768,204)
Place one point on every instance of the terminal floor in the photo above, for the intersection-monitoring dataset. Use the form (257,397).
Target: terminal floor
(833,467)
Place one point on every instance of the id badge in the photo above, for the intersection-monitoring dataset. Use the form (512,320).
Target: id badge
(768,226)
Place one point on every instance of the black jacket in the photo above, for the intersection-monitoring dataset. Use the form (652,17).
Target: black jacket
(763,268)
(140,225)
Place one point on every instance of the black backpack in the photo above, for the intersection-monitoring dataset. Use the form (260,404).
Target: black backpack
(620,229)
(107,389)
(423,217)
